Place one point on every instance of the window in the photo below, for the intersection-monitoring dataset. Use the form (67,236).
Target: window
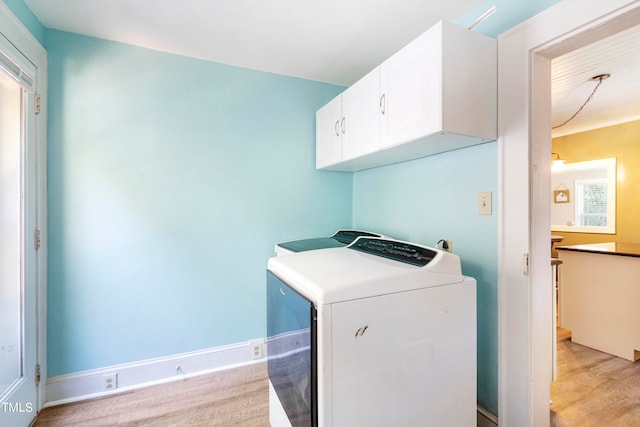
(591,202)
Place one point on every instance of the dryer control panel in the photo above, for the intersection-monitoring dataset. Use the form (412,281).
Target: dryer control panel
(395,250)
(348,236)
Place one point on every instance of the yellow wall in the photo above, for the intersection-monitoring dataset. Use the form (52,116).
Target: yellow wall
(622,142)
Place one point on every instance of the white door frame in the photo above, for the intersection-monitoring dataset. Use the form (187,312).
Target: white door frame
(524,147)
(28,45)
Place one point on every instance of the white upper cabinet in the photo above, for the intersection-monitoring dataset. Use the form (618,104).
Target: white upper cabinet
(438,93)
(349,126)
(361,123)
(411,90)
(328,134)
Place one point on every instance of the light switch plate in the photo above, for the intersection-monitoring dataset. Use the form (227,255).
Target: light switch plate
(484,203)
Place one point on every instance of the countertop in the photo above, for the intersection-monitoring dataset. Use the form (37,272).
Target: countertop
(609,248)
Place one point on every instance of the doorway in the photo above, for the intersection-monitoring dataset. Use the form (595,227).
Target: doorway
(525,296)
(17,272)
(591,145)
(22,211)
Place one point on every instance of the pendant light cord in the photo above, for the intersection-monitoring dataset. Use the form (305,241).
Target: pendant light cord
(600,78)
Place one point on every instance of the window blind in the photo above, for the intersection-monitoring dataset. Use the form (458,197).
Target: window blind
(16,66)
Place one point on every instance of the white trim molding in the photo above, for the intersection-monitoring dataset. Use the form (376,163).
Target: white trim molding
(130,376)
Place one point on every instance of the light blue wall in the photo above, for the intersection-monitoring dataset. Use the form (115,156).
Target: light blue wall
(155,161)
(170,180)
(509,13)
(436,198)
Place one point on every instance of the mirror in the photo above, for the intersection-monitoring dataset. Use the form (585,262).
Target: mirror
(584,197)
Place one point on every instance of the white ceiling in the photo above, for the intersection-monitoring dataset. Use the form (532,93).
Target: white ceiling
(617,99)
(337,41)
(332,41)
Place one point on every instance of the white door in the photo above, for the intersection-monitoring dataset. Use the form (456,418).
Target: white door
(360,109)
(17,266)
(411,86)
(19,345)
(328,133)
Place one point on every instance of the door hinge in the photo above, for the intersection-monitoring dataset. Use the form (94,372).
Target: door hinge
(37,104)
(36,239)
(525,264)
(38,374)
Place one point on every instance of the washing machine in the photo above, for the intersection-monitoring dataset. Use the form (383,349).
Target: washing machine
(339,239)
(377,333)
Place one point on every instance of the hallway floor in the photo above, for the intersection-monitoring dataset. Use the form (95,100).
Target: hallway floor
(594,389)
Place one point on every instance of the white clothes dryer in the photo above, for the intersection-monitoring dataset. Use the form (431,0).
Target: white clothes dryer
(378,333)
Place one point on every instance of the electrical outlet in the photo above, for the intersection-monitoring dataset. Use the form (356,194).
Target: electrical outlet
(110,381)
(449,247)
(257,349)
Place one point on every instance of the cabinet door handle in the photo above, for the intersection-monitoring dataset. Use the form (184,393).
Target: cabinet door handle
(342,124)
(337,127)
(383,102)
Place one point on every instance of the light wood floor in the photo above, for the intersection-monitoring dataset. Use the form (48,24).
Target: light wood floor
(237,397)
(594,389)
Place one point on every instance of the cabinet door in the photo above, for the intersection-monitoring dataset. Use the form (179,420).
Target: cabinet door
(412,91)
(328,134)
(360,109)
(406,359)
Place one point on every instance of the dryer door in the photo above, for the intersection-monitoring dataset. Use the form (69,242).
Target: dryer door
(291,351)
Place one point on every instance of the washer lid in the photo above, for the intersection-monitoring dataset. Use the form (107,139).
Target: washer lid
(311,244)
(332,275)
(339,239)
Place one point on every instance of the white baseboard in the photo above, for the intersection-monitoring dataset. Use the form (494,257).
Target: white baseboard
(130,376)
